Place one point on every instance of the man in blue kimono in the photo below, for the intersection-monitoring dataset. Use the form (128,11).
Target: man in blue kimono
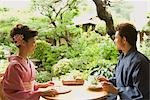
(131,76)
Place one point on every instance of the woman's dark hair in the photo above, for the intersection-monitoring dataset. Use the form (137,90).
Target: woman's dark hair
(23,30)
(128,31)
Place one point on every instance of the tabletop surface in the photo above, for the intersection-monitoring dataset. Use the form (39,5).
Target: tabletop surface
(78,92)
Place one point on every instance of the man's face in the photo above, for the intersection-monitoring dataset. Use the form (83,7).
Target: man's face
(118,41)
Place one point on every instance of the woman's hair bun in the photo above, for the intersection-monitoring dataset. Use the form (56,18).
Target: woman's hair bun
(22,27)
(23,30)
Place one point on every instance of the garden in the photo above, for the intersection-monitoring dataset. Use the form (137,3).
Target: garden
(64,49)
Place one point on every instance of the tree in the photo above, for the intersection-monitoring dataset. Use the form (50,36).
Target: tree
(60,14)
(103,14)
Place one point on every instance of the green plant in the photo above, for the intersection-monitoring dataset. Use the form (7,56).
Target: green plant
(73,74)
(43,76)
(144,48)
(49,55)
(5,27)
(1,53)
(107,49)
(61,68)
(3,65)
(40,47)
(45,53)
(101,28)
(4,51)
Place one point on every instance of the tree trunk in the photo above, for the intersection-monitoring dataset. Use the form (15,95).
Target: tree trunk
(107,17)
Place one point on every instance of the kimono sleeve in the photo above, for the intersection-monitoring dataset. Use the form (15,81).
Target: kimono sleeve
(113,79)
(140,78)
(13,85)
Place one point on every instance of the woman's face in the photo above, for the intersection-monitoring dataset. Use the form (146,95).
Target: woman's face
(30,45)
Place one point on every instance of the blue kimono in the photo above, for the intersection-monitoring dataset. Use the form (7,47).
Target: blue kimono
(132,76)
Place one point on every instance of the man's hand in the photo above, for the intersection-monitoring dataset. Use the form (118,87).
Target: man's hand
(102,78)
(109,87)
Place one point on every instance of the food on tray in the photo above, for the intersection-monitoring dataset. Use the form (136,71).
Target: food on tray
(73,82)
(95,87)
(62,90)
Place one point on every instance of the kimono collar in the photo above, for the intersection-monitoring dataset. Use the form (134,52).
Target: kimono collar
(129,52)
(19,59)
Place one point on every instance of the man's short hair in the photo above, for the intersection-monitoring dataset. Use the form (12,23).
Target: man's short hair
(128,31)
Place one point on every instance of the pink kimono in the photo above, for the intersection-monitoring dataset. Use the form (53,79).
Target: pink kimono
(19,80)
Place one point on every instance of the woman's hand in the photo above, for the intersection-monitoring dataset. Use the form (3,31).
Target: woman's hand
(102,78)
(51,93)
(109,87)
(44,85)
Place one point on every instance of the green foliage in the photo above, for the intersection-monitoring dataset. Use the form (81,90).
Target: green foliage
(145,48)
(103,67)
(48,57)
(5,27)
(107,49)
(146,27)
(94,56)
(1,53)
(101,28)
(41,24)
(61,68)
(40,47)
(74,74)
(60,15)
(13,49)
(3,65)
(86,52)
(4,51)
(43,76)
(3,9)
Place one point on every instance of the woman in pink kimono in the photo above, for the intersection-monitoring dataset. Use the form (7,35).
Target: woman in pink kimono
(19,79)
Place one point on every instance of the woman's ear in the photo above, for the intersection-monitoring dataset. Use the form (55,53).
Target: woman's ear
(23,42)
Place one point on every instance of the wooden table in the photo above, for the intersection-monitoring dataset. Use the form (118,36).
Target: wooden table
(79,93)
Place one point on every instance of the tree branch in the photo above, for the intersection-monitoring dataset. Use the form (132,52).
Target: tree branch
(107,17)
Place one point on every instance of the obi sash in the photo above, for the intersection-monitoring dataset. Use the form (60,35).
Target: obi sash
(29,86)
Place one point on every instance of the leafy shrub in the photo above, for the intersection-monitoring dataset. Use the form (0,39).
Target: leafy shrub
(43,76)
(3,9)
(101,28)
(61,68)
(5,27)
(107,49)
(103,67)
(47,54)
(41,25)
(87,52)
(4,51)
(3,65)
(40,47)
(74,74)
(44,53)
(145,48)
(1,53)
